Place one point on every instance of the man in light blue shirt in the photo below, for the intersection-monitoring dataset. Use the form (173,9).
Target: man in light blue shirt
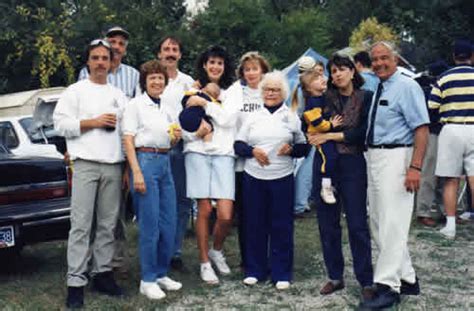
(397,135)
(362,62)
(120,75)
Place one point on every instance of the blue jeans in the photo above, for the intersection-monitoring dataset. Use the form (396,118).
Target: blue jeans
(156,210)
(304,183)
(184,204)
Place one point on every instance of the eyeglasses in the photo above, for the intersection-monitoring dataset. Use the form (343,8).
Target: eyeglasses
(97,42)
(271,90)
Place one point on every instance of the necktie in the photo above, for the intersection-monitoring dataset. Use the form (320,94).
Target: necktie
(370,132)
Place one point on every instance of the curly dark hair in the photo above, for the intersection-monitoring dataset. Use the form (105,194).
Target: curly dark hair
(344,61)
(215,51)
(150,67)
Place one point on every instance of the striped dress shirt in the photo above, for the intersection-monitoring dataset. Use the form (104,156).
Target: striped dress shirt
(125,78)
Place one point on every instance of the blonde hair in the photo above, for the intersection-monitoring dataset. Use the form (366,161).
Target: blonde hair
(306,78)
(252,56)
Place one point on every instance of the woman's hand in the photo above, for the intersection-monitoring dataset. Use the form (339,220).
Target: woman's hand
(317,139)
(336,121)
(177,135)
(196,101)
(204,129)
(285,150)
(139,182)
(261,156)
(197,85)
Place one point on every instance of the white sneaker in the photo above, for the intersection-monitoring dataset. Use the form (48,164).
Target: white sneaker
(151,290)
(207,274)
(218,259)
(466,216)
(250,281)
(168,284)
(282,285)
(327,194)
(448,233)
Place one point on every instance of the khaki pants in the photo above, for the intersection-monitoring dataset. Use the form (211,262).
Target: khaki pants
(430,194)
(390,210)
(95,196)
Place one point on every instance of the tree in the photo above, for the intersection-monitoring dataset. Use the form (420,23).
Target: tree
(370,31)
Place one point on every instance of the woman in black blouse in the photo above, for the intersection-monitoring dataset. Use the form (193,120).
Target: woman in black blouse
(345,98)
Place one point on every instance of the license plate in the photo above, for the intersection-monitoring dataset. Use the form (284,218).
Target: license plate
(7,237)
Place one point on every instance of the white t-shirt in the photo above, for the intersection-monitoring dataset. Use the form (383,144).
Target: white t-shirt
(269,131)
(174,93)
(86,100)
(147,122)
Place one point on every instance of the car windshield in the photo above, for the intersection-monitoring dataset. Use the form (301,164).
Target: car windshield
(35,133)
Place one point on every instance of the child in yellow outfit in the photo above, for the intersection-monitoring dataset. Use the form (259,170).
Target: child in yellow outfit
(313,85)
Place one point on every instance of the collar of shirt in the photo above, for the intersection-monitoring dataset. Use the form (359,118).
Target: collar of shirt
(392,78)
(154,102)
(273,109)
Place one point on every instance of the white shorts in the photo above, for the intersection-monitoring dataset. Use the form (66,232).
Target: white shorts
(209,176)
(455,151)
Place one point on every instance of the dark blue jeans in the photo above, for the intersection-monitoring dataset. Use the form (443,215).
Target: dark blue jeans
(351,186)
(184,204)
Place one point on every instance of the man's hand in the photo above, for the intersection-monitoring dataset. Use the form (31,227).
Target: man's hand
(139,182)
(106,120)
(412,180)
(204,129)
(261,156)
(285,150)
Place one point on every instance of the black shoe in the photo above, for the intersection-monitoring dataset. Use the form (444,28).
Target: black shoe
(75,297)
(104,283)
(410,289)
(385,297)
(177,263)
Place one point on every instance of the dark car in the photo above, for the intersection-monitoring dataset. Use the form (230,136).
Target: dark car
(34,200)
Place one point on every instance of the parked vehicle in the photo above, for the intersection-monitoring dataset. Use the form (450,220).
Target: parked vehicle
(33,135)
(34,200)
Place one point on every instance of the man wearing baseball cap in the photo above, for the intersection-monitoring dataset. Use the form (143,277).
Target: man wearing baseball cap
(120,75)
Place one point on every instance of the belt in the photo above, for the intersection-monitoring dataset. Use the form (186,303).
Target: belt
(461,122)
(390,146)
(153,150)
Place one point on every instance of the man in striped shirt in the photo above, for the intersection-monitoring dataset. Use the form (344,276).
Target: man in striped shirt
(453,99)
(120,75)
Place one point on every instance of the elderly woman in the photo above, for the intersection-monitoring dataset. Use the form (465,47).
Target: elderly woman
(345,98)
(246,96)
(210,165)
(148,134)
(269,139)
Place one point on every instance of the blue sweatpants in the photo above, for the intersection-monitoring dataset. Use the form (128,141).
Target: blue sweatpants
(268,227)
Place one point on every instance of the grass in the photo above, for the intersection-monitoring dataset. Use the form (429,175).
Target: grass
(36,281)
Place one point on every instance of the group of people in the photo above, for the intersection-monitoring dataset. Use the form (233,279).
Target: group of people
(229,145)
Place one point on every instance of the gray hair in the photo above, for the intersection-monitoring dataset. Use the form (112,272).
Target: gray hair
(276,76)
(389,45)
